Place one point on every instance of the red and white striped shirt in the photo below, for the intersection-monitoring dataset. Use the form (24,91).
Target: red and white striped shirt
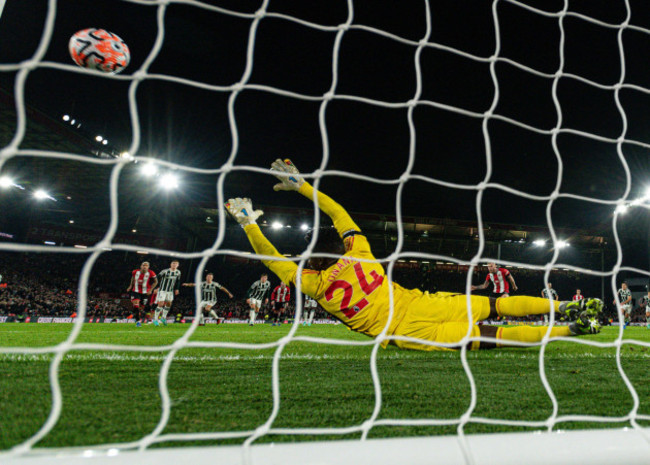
(578,297)
(281,294)
(499,279)
(142,281)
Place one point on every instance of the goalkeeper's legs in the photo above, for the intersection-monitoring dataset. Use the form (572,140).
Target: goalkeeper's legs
(530,334)
(521,306)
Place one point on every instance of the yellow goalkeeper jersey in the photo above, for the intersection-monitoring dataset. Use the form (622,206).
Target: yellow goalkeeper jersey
(354,291)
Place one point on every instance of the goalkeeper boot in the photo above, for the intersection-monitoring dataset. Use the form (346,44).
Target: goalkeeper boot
(584,324)
(571,310)
(155,322)
(594,307)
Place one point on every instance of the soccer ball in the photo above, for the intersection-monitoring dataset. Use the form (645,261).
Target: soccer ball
(99,49)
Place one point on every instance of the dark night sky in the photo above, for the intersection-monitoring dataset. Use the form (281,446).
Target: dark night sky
(190,126)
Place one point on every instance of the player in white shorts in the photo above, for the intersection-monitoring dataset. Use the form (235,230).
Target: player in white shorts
(208,297)
(168,287)
(257,295)
(625,298)
(310,309)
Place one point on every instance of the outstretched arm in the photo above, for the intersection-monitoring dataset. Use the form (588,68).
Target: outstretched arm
(291,180)
(242,211)
(482,286)
(226,291)
(512,282)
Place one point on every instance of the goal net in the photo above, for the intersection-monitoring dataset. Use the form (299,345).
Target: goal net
(519,124)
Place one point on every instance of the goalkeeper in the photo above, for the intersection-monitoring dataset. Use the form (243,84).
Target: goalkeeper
(358,292)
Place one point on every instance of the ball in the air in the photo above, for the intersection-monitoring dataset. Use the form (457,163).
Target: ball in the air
(99,49)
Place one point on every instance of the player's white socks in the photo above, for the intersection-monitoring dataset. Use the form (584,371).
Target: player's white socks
(252,315)
(201,320)
(165,311)
(311,317)
(157,313)
(213,314)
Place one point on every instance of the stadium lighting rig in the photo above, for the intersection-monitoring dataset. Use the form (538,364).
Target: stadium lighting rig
(6,182)
(276,225)
(621,209)
(304,227)
(149,170)
(539,242)
(169,181)
(40,194)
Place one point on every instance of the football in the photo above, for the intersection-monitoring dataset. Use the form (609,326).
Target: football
(99,49)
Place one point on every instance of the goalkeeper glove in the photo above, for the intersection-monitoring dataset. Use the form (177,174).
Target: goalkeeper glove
(293,181)
(242,211)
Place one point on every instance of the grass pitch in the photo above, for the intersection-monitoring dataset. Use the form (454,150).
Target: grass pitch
(111,397)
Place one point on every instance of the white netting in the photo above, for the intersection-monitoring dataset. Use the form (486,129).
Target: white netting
(234,90)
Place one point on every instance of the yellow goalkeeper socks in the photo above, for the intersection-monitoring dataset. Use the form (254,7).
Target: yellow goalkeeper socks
(523,305)
(529,333)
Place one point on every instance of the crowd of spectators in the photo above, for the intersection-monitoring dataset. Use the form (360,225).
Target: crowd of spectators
(47,285)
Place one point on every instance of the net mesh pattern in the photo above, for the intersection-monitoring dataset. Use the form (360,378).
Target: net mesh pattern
(233,91)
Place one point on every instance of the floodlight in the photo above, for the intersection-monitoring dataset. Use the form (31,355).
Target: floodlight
(276,225)
(6,182)
(539,242)
(104,142)
(40,194)
(149,169)
(66,117)
(71,221)
(562,244)
(99,138)
(73,122)
(49,243)
(621,209)
(304,226)
(647,193)
(169,181)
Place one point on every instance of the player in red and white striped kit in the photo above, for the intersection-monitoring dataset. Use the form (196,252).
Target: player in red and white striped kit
(500,278)
(578,295)
(142,283)
(280,299)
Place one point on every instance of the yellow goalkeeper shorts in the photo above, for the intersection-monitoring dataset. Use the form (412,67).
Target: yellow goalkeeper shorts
(441,317)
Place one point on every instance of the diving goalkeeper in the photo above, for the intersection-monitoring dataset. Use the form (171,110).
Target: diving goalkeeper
(357,292)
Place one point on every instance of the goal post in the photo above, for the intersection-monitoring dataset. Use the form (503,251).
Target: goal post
(561,447)
(550,443)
